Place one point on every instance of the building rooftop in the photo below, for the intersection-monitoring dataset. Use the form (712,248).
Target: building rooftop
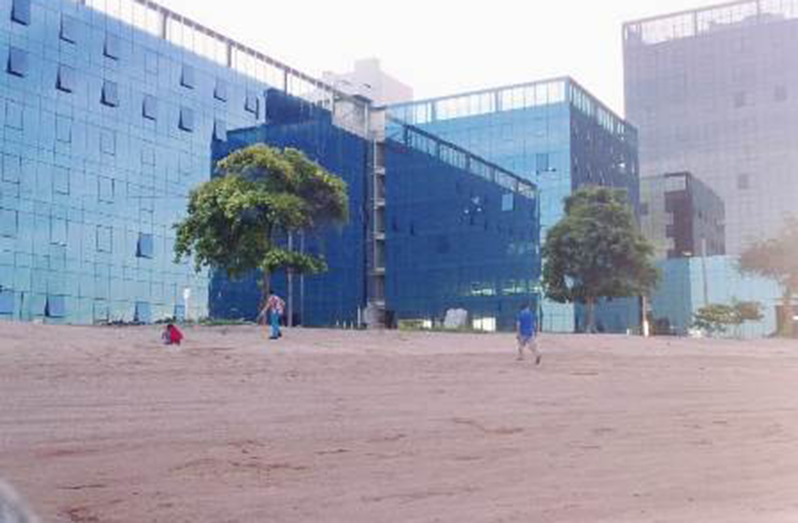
(179,30)
(691,23)
(511,97)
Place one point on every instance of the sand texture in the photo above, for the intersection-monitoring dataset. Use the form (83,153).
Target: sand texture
(107,425)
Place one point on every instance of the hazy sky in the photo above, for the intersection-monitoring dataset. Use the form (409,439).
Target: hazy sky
(442,47)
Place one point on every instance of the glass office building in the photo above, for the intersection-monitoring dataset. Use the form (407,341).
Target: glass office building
(681,216)
(337,297)
(553,133)
(714,91)
(109,111)
(688,284)
(461,233)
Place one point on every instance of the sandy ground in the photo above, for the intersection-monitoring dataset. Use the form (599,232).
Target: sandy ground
(105,424)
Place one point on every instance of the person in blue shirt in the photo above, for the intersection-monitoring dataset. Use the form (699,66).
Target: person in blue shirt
(526,331)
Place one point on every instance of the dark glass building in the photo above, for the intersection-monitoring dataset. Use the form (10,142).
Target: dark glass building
(461,233)
(553,133)
(339,296)
(714,92)
(681,216)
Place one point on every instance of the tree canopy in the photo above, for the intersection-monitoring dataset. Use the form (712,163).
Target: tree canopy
(236,221)
(597,251)
(777,259)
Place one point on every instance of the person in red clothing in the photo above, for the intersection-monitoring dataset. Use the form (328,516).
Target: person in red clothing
(171,335)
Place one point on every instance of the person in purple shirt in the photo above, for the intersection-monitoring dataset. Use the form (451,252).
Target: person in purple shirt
(526,331)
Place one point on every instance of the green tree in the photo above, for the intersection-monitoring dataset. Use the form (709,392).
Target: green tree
(597,251)
(238,221)
(777,259)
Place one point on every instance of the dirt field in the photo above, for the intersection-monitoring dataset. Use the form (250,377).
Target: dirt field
(104,425)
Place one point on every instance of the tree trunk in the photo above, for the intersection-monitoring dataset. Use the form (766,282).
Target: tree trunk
(787,315)
(590,328)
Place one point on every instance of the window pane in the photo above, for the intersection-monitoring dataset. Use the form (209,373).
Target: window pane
(150,107)
(187,77)
(220,92)
(186,119)
(113,46)
(110,94)
(17,61)
(69,29)
(20,12)
(66,79)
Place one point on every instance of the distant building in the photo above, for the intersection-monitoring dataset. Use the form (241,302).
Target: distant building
(553,133)
(370,81)
(681,216)
(714,92)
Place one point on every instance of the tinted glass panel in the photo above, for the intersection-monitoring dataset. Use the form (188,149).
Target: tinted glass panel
(252,103)
(69,29)
(187,77)
(220,130)
(6,302)
(113,46)
(220,92)
(20,12)
(145,247)
(110,94)
(150,107)
(66,79)
(17,61)
(8,223)
(143,312)
(56,307)
(186,119)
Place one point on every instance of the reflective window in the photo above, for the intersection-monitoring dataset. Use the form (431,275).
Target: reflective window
(56,307)
(150,107)
(113,46)
(220,130)
(252,103)
(12,168)
(17,61)
(108,142)
(66,79)
(104,238)
(63,129)
(508,202)
(58,231)
(187,79)
(220,91)
(14,118)
(110,96)
(6,302)
(145,248)
(143,312)
(105,190)
(8,223)
(69,29)
(186,119)
(61,180)
(20,12)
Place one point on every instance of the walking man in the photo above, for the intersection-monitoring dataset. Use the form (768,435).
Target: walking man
(526,332)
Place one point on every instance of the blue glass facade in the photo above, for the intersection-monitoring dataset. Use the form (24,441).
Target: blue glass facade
(109,112)
(552,133)
(333,298)
(460,233)
(691,283)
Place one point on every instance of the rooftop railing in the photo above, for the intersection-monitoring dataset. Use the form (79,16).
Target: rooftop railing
(688,24)
(349,112)
(509,98)
(458,157)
